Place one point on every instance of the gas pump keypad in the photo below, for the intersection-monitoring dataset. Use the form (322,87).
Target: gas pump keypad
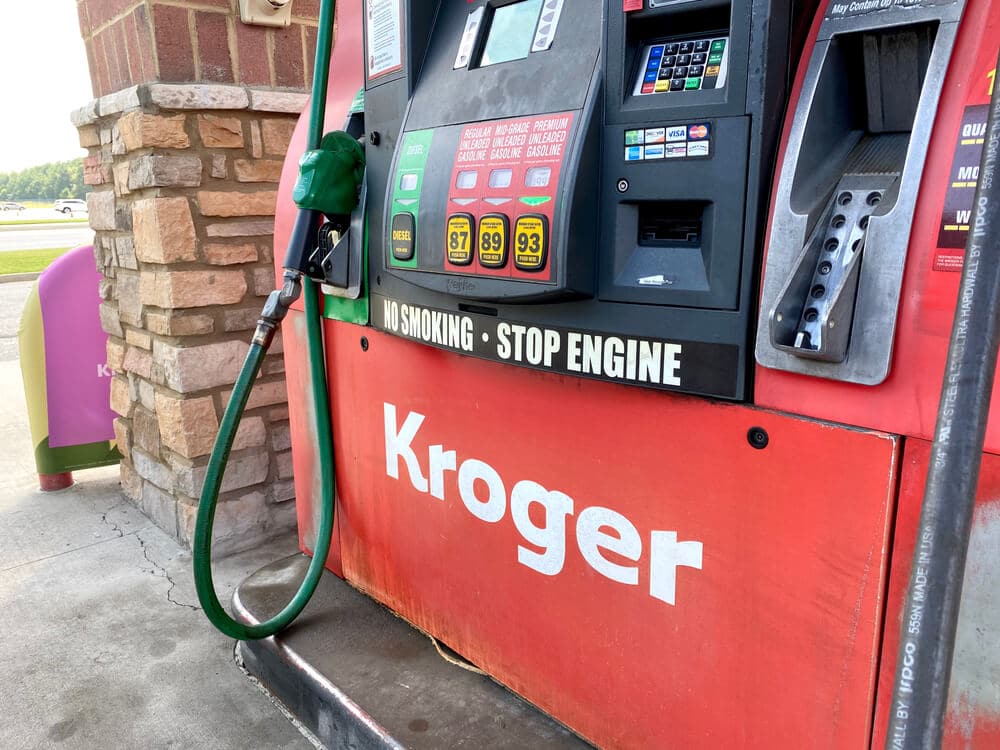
(531,242)
(689,65)
(494,240)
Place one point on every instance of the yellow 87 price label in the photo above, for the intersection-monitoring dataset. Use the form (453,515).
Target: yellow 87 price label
(493,231)
(531,242)
(458,239)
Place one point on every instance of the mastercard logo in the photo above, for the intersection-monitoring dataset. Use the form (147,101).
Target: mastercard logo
(695,132)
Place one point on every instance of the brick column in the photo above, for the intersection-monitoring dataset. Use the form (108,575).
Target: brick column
(141,41)
(185,180)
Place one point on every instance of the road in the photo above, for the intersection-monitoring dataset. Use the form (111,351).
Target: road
(44,236)
(12,297)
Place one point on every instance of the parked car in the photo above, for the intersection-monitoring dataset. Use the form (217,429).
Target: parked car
(11,206)
(70,206)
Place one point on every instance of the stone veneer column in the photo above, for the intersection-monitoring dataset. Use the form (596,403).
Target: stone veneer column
(185,180)
(129,42)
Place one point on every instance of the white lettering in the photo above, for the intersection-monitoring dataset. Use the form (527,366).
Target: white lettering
(666,555)
(397,445)
(440,461)
(493,508)
(599,532)
(551,537)
(503,340)
(624,542)
(573,341)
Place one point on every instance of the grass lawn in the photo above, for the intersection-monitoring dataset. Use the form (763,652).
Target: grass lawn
(28,261)
(19,222)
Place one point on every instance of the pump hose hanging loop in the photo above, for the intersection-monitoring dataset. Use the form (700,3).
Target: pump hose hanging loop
(275,310)
(213,482)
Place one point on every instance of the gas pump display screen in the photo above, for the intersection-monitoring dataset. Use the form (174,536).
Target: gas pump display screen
(511,32)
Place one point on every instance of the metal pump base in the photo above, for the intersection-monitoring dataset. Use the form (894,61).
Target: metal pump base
(359,677)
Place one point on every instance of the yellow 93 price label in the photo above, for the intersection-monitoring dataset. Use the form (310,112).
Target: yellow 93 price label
(458,239)
(493,232)
(531,242)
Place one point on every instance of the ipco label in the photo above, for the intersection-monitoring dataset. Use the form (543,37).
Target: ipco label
(693,367)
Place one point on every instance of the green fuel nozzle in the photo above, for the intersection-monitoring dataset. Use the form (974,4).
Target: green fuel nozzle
(330,176)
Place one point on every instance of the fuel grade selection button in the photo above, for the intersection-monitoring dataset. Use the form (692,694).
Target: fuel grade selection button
(494,231)
(404,236)
(458,239)
(531,242)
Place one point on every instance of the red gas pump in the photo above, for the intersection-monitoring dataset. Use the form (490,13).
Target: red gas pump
(651,568)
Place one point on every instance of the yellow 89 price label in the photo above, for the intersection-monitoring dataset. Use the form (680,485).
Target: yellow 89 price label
(458,239)
(493,231)
(531,242)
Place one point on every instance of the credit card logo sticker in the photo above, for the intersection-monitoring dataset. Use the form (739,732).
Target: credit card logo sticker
(633,153)
(698,148)
(677,133)
(654,135)
(677,150)
(697,132)
(654,152)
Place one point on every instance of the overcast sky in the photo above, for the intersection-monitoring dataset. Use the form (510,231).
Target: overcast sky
(43,77)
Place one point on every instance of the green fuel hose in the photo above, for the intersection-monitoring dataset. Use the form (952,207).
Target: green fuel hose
(274,312)
(202,547)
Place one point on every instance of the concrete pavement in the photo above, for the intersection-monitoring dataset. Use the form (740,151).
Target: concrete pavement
(103,643)
(12,297)
(45,236)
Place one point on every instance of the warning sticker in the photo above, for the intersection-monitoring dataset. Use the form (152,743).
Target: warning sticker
(385,37)
(695,367)
(962,180)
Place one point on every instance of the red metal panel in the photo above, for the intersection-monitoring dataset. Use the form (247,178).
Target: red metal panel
(304,443)
(772,642)
(974,699)
(906,402)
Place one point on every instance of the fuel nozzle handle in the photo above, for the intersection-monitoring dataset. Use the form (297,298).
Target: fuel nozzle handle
(276,308)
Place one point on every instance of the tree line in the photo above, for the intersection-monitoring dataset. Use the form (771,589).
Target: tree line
(47,182)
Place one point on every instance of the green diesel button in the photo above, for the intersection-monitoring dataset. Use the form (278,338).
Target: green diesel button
(691,83)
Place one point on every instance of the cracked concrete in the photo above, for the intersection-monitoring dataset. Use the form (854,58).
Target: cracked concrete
(104,644)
